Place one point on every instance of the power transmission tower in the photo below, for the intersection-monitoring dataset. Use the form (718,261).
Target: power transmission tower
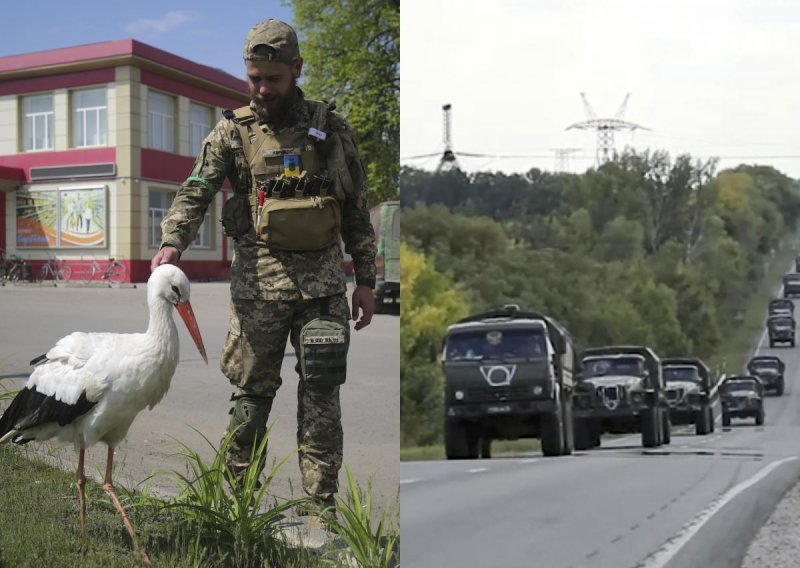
(562,158)
(605,127)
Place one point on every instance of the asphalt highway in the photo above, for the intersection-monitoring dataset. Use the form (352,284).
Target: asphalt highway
(696,502)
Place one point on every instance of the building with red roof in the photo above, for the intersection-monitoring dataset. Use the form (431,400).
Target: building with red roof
(95,141)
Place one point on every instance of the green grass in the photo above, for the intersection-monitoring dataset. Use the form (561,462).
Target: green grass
(738,343)
(211,522)
(499,448)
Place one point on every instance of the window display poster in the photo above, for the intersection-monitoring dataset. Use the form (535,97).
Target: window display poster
(83,214)
(36,219)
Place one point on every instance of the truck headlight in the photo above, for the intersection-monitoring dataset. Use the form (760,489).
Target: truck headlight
(637,397)
(538,390)
(459,395)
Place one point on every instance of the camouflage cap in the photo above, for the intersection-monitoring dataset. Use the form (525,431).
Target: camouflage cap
(271,40)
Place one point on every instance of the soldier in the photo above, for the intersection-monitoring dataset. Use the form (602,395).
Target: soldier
(298,183)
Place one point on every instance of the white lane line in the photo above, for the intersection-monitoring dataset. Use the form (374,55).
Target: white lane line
(530,460)
(478,470)
(667,552)
(407,481)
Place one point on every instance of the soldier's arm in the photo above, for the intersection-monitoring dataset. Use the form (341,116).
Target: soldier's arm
(212,166)
(357,232)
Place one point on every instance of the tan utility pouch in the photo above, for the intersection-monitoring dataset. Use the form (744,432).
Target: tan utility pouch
(310,223)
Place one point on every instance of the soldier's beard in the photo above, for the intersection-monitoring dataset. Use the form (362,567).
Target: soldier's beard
(274,108)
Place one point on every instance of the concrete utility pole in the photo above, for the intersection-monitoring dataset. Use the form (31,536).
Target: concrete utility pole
(605,128)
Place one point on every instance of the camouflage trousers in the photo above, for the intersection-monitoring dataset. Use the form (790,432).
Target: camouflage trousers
(251,360)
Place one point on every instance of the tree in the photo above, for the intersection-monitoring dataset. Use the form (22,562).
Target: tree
(352,57)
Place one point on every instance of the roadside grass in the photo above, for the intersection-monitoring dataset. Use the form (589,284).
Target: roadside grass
(499,448)
(211,522)
(739,343)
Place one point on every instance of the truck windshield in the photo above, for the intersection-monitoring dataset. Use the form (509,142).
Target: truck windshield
(633,366)
(496,344)
(681,374)
(739,386)
(760,365)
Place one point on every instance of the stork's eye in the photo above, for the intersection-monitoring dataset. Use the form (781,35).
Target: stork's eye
(177,292)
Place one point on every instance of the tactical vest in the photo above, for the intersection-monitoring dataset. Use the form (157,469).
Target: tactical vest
(287,199)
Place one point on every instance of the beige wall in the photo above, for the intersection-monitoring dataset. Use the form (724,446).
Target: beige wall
(127,208)
(9,124)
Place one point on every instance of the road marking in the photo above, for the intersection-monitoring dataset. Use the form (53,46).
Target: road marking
(407,481)
(529,460)
(667,552)
(478,470)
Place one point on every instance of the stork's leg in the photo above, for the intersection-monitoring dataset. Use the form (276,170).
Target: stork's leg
(109,488)
(82,491)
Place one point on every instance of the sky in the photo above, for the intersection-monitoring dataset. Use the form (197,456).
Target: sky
(211,33)
(708,78)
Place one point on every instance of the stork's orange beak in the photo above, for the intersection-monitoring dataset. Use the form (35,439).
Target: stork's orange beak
(185,309)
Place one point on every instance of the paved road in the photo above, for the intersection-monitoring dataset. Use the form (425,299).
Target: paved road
(696,502)
(34,318)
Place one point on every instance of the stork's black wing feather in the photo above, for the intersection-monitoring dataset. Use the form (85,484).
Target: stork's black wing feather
(31,408)
(39,359)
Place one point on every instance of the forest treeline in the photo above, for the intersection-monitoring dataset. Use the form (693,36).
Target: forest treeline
(642,250)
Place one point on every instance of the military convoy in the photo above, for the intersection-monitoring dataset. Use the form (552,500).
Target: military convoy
(691,393)
(509,374)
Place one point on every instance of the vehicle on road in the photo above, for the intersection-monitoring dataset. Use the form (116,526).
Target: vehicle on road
(621,391)
(691,392)
(797,263)
(508,375)
(385,220)
(791,285)
(781,307)
(742,397)
(781,329)
(770,369)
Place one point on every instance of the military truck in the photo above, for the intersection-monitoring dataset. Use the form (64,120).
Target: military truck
(621,390)
(691,393)
(797,263)
(781,330)
(781,307)
(770,369)
(742,397)
(508,375)
(791,285)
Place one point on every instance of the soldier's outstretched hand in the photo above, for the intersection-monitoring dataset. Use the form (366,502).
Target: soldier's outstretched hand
(364,301)
(167,255)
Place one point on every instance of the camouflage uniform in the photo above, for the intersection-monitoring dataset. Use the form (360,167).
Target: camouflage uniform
(274,293)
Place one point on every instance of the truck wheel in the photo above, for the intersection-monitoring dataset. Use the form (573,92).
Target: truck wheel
(569,427)
(702,425)
(779,388)
(460,443)
(584,434)
(650,428)
(552,434)
(771,343)
(711,422)
(760,418)
(380,306)
(666,427)
(726,420)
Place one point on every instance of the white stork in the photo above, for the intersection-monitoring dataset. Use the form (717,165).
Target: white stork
(90,386)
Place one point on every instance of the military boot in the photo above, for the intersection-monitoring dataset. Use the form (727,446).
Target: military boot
(322,512)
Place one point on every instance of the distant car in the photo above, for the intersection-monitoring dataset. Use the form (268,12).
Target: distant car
(781,330)
(742,397)
(791,285)
(770,370)
(386,222)
(781,307)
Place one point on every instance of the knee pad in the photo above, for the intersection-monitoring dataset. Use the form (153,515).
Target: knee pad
(323,351)
(249,418)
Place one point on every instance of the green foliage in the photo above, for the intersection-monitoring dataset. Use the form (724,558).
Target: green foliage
(352,57)
(645,249)
(370,546)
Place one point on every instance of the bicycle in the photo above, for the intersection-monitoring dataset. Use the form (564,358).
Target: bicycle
(12,269)
(57,270)
(114,271)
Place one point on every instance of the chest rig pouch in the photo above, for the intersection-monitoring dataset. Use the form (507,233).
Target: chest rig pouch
(290,204)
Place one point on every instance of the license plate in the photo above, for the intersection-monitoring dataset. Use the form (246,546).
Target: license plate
(499,409)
